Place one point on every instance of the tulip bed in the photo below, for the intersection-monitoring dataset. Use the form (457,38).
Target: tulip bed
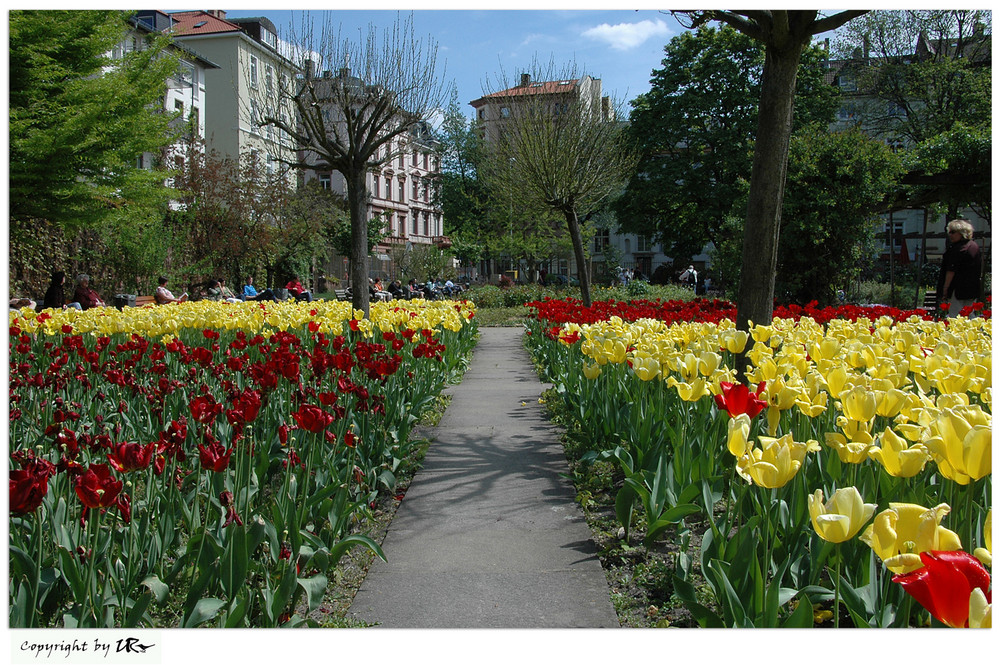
(204,463)
(848,473)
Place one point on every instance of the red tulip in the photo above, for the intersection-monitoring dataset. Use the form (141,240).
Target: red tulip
(214,457)
(96,488)
(27,489)
(312,418)
(204,409)
(131,456)
(736,398)
(944,584)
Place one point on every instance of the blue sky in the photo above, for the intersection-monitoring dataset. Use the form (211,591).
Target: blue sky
(621,47)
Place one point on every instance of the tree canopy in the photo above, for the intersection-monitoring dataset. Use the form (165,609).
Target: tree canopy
(80,118)
(695,132)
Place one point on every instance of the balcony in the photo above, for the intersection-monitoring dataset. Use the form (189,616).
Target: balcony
(441,242)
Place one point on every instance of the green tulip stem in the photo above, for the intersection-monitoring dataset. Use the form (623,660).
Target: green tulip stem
(836,590)
(92,565)
(39,537)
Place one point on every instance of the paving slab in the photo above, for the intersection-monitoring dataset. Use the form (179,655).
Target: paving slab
(488,534)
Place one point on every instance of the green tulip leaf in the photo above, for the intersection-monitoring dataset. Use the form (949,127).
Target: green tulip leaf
(802,617)
(314,587)
(238,611)
(204,610)
(156,587)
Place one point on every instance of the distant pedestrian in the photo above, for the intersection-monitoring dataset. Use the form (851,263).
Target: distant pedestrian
(689,277)
(961,268)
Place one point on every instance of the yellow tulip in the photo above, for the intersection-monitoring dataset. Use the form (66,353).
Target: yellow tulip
(962,451)
(858,404)
(985,553)
(735,341)
(840,518)
(645,367)
(775,462)
(591,371)
(850,452)
(838,380)
(889,402)
(901,532)
(980,610)
(739,431)
(708,363)
(897,458)
(689,392)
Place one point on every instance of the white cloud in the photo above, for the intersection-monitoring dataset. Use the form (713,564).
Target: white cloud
(625,36)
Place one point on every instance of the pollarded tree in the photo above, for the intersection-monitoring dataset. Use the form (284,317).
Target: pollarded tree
(568,156)
(353,122)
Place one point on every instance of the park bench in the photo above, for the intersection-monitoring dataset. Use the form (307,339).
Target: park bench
(930,301)
(144,300)
(341,295)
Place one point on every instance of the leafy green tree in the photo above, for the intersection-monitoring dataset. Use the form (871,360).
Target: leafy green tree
(79,119)
(837,183)
(785,34)
(912,94)
(695,130)
(309,227)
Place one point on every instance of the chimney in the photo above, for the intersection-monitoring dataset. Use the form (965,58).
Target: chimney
(309,69)
(605,108)
(525,80)
(217,13)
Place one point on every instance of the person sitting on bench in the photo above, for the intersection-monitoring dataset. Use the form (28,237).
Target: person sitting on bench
(163,296)
(250,293)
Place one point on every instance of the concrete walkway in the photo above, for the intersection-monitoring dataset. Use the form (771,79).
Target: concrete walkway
(488,535)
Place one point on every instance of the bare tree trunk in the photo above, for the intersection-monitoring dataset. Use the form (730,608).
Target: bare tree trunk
(581,265)
(767,184)
(357,204)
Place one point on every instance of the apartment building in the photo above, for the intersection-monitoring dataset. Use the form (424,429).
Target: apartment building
(244,86)
(609,246)
(186,92)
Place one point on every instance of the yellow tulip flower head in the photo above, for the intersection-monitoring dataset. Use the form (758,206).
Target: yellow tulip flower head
(897,457)
(980,610)
(739,431)
(902,531)
(775,462)
(961,450)
(849,452)
(840,518)
(858,404)
(645,366)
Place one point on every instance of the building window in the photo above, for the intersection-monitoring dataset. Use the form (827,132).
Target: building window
(388,188)
(375,183)
(402,163)
(269,79)
(602,239)
(414,156)
(253,71)
(196,120)
(642,244)
(897,235)
(402,189)
(427,161)
(324,181)
(416,188)
(504,112)
(427,223)
(416,218)
(427,192)
(847,83)
(402,224)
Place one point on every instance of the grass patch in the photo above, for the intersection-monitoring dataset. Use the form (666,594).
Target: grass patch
(503,316)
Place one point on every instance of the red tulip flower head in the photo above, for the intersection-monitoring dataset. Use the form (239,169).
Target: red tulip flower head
(214,457)
(96,488)
(312,418)
(736,398)
(131,456)
(27,489)
(945,583)
(204,409)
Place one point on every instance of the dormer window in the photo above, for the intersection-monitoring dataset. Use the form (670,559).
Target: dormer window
(200,24)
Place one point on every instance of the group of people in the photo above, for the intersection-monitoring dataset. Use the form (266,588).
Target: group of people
(85,297)
(413,289)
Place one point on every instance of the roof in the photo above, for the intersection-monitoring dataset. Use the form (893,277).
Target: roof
(200,23)
(532,88)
